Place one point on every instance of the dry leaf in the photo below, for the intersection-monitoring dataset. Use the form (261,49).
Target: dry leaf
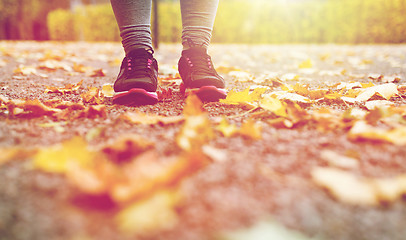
(142,118)
(58,158)
(51,65)
(245,96)
(195,132)
(337,160)
(226,128)
(385,90)
(126,147)
(69,88)
(92,96)
(15,153)
(362,131)
(251,130)
(193,106)
(25,70)
(345,186)
(97,73)
(152,214)
(274,105)
(306,64)
(371,105)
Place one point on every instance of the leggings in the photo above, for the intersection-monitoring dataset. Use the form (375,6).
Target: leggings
(134,21)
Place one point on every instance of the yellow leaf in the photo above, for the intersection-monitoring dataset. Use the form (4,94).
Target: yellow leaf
(152,214)
(234,97)
(193,106)
(108,90)
(306,64)
(245,96)
(251,130)
(141,118)
(226,128)
(56,159)
(274,105)
(195,132)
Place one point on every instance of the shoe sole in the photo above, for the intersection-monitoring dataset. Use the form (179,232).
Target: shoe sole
(135,97)
(207,93)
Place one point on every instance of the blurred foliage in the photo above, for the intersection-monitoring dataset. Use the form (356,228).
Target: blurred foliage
(61,25)
(263,21)
(26,19)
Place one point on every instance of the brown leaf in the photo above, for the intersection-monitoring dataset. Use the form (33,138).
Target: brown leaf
(92,96)
(69,88)
(97,73)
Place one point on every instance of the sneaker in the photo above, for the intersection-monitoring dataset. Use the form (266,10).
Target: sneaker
(137,80)
(199,76)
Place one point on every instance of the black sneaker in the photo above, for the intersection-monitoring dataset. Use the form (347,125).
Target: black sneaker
(137,81)
(199,76)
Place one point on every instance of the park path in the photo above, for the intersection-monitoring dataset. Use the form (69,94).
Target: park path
(309,143)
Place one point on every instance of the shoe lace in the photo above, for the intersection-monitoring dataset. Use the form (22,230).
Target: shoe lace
(201,64)
(140,66)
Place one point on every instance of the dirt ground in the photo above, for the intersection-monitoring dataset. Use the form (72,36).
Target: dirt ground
(256,180)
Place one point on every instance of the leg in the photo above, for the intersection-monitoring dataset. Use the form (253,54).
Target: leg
(137,80)
(197,20)
(195,66)
(134,21)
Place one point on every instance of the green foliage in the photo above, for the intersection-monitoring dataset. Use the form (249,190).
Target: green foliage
(61,25)
(267,21)
(96,23)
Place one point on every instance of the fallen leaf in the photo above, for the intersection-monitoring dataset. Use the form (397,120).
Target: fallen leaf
(226,128)
(387,91)
(371,105)
(264,230)
(362,131)
(152,214)
(251,130)
(58,158)
(69,88)
(216,154)
(52,65)
(97,73)
(25,70)
(337,160)
(15,153)
(107,90)
(92,96)
(247,97)
(141,118)
(274,105)
(306,64)
(195,132)
(193,106)
(126,148)
(345,186)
